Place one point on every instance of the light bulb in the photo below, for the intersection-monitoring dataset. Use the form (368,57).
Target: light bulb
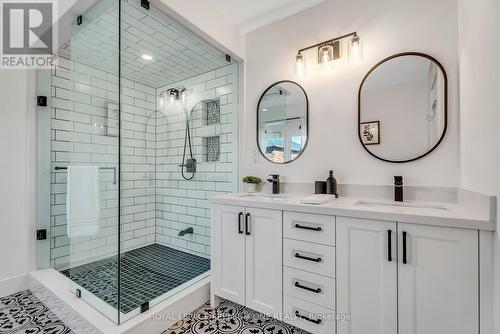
(300,65)
(325,56)
(147,57)
(325,61)
(355,51)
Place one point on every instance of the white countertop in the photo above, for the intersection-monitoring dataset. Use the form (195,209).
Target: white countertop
(440,214)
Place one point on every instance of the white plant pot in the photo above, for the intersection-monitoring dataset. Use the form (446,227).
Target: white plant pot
(250,187)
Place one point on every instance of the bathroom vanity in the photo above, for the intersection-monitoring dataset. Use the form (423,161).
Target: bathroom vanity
(355,266)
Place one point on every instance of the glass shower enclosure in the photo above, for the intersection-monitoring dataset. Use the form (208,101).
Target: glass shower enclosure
(139,131)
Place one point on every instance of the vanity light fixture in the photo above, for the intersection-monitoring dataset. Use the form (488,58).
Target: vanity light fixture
(329,51)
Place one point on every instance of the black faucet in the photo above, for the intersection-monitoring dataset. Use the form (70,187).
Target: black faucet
(275,180)
(398,188)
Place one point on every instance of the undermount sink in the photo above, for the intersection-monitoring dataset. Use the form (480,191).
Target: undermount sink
(268,197)
(413,205)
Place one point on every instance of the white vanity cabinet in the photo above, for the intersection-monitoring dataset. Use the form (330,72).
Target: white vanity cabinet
(247,257)
(366,276)
(406,278)
(438,280)
(335,269)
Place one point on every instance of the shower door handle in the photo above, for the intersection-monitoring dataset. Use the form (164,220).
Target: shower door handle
(247,224)
(240,229)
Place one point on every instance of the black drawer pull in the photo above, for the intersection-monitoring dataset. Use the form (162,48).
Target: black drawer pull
(318,229)
(247,227)
(298,285)
(240,228)
(297,255)
(389,245)
(405,260)
(314,321)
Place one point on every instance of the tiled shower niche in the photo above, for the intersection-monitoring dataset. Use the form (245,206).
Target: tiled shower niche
(211,148)
(211,111)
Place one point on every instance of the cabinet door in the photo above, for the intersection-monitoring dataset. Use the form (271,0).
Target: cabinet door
(264,286)
(366,276)
(228,258)
(438,284)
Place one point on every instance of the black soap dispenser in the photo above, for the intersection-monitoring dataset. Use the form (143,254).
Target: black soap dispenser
(331,185)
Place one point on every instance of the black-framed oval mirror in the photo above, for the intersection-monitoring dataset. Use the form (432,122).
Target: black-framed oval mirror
(282,122)
(403,107)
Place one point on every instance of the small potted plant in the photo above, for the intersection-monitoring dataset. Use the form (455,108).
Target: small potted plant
(251,183)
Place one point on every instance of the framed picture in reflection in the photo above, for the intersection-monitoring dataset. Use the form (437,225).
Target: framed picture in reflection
(370,132)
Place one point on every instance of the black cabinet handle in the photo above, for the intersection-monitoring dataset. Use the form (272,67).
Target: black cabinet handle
(389,245)
(405,260)
(240,228)
(247,223)
(298,285)
(318,229)
(297,255)
(314,321)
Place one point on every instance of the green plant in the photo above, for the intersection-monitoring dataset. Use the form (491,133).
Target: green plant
(252,179)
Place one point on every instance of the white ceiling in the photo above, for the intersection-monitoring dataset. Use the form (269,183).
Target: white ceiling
(249,15)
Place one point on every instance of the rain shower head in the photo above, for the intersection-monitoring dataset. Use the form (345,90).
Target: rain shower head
(173,101)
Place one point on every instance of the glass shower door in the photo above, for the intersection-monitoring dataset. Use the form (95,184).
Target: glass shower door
(85,163)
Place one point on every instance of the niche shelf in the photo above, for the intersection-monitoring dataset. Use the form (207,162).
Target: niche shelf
(211,148)
(211,111)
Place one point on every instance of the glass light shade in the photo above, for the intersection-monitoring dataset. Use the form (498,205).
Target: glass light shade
(355,50)
(325,57)
(300,65)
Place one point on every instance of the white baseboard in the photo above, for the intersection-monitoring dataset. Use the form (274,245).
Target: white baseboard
(15,284)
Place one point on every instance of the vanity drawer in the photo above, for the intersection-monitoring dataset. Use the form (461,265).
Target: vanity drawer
(310,287)
(318,259)
(319,229)
(294,308)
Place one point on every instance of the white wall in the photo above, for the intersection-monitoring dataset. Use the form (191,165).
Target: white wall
(16,168)
(408,103)
(386,27)
(480,107)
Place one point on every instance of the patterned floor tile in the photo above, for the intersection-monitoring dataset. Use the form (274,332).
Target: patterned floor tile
(64,312)
(24,313)
(146,273)
(230,318)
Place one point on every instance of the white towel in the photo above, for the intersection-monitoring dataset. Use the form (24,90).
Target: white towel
(82,201)
(317,199)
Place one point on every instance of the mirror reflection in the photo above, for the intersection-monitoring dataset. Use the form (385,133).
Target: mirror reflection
(403,107)
(282,122)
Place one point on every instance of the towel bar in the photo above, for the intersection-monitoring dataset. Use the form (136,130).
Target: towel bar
(105,168)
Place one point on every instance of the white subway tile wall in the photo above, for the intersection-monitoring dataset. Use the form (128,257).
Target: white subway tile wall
(156,202)
(180,203)
(80,100)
